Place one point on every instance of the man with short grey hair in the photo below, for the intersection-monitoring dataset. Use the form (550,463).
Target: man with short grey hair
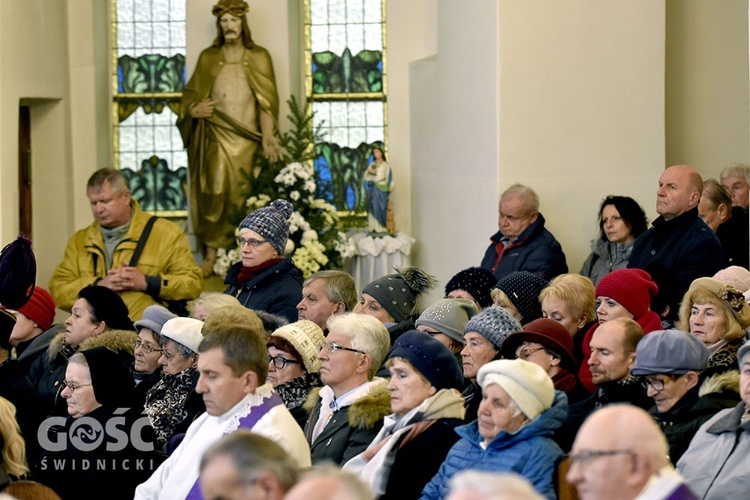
(347,413)
(327,482)
(736,179)
(326,294)
(523,243)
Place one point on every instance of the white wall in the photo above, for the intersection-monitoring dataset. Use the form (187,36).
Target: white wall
(566,97)
(707,88)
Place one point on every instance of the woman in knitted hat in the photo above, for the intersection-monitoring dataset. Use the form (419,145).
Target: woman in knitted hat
(570,299)
(518,293)
(293,364)
(265,279)
(625,293)
(445,321)
(718,315)
(416,437)
(621,220)
(520,409)
(483,334)
(548,344)
(474,283)
(98,318)
(392,299)
(99,387)
(172,403)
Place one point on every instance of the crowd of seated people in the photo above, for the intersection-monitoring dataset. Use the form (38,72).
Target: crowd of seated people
(283,386)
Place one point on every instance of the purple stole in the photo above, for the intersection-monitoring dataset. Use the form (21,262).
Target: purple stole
(246,422)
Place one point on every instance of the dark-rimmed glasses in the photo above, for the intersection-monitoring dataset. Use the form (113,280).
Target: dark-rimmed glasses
(333,346)
(147,348)
(656,384)
(280,362)
(583,457)
(72,386)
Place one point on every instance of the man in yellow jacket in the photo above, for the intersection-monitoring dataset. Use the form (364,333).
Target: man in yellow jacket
(101,253)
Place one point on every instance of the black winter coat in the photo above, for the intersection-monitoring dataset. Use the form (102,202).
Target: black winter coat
(277,290)
(675,252)
(536,250)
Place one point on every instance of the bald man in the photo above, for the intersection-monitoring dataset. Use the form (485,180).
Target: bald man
(632,462)
(679,247)
(327,482)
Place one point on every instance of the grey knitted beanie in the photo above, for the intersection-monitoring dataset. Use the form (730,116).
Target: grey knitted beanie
(494,324)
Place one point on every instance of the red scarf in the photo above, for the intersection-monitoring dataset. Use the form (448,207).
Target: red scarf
(248,273)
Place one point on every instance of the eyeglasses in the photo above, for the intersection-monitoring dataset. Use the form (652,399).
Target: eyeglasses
(656,384)
(280,362)
(333,346)
(147,348)
(526,351)
(584,457)
(252,242)
(72,386)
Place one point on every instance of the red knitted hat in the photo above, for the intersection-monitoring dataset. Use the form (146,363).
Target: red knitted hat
(40,308)
(633,288)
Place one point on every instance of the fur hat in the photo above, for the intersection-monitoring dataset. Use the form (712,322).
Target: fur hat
(735,276)
(154,318)
(728,294)
(398,293)
(449,317)
(633,288)
(306,337)
(184,331)
(107,306)
(523,289)
(494,324)
(430,357)
(271,222)
(669,351)
(476,281)
(112,382)
(40,308)
(547,332)
(526,383)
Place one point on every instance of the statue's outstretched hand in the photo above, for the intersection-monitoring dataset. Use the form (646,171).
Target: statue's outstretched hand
(203,109)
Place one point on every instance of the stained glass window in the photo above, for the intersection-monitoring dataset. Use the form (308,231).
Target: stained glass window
(149,63)
(346,77)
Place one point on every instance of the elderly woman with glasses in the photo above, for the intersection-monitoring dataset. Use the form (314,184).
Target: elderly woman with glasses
(172,403)
(265,279)
(96,456)
(548,344)
(293,364)
(146,368)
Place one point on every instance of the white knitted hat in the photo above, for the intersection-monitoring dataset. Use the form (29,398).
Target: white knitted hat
(306,337)
(526,383)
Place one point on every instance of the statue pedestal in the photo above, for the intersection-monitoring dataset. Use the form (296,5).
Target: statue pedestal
(377,256)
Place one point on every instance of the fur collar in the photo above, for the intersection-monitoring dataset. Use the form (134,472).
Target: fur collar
(724,381)
(367,410)
(114,340)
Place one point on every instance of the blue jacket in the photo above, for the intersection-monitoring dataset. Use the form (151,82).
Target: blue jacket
(535,250)
(675,252)
(277,290)
(530,452)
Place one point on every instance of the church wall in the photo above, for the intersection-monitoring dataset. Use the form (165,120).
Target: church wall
(33,61)
(707,89)
(569,100)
